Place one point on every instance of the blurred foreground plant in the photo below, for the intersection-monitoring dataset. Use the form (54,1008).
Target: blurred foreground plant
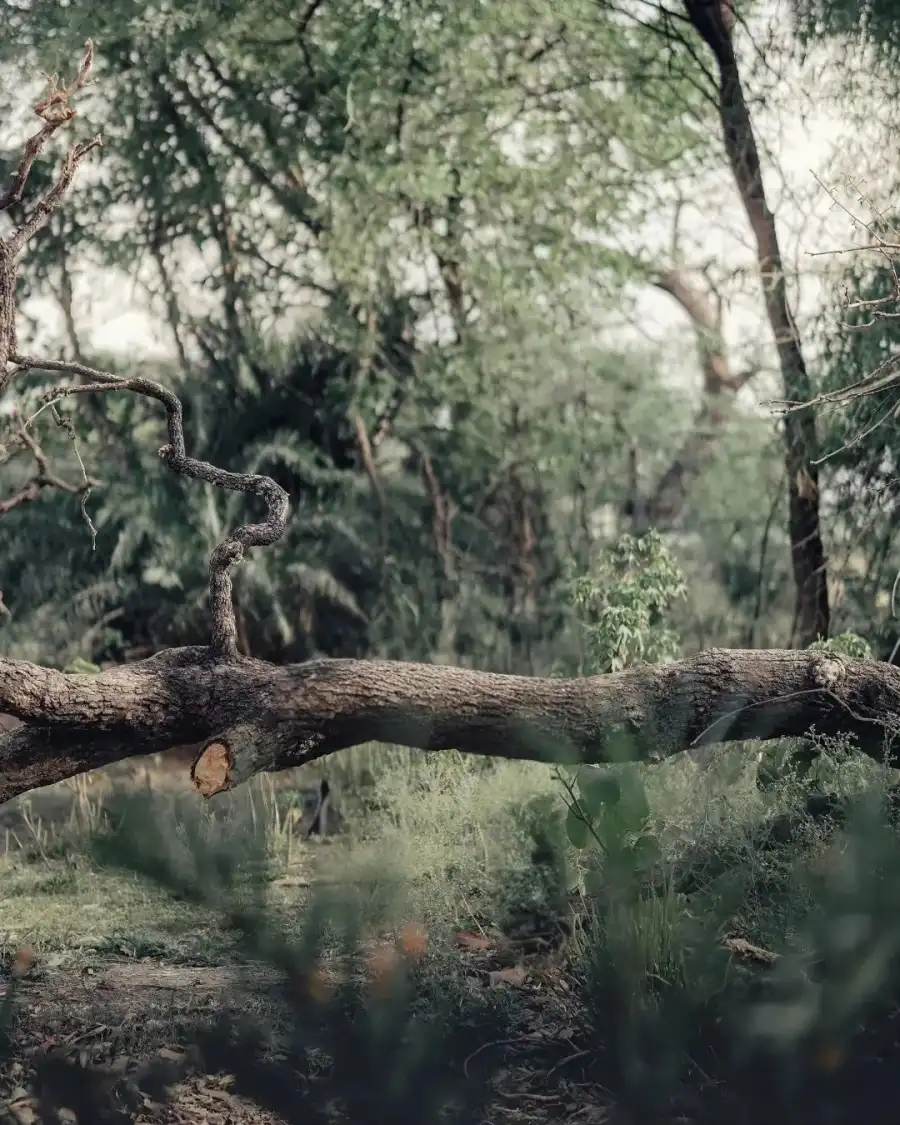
(347,1028)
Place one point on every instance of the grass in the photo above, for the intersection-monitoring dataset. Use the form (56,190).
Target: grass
(441,838)
(473,855)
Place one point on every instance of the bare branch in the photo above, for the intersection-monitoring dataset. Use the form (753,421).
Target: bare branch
(55,111)
(46,206)
(43,478)
(707,323)
(33,147)
(248,716)
(231,550)
(887,373)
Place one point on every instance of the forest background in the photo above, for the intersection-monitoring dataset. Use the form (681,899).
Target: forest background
(505,297)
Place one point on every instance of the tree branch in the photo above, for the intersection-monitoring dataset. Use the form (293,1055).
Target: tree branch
(55,111)
(247,716)
(43,478)
(231,550)
(719,384)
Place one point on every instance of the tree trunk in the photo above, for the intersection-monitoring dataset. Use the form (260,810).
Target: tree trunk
(248,716)
(720,385)
(714,21)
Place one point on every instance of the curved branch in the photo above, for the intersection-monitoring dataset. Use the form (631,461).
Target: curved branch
(231,550)
(55,110)
(247,716)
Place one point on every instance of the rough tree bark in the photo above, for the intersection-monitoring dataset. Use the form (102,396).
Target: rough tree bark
(249,716)
(714,21)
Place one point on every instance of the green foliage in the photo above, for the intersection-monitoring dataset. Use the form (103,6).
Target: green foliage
(781,762)
(803,765)
(847,644)
(810,764)
(610,813)
(342,184)
(621,604)
(872,22)
(453,839)
(621,609)
(861,483)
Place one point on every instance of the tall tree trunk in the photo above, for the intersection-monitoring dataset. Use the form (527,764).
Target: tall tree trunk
(714,21)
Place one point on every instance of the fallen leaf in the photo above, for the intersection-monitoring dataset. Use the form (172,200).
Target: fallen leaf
(514,976)
(414,941)
(24,960)
(382,966)
(467,940)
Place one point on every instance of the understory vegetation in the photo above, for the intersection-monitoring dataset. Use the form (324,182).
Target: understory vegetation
(560,369)
(480,937)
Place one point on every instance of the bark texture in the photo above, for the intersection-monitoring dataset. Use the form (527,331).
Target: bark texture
(247,716)
(714,22)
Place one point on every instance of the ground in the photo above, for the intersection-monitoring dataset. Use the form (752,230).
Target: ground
(112,973)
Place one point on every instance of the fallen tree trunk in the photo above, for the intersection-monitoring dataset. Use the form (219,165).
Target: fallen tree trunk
(249,716)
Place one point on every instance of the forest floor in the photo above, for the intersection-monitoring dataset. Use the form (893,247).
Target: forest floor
(113,974)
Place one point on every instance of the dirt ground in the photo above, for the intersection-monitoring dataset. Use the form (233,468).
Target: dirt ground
(113,1020)
(117,1020)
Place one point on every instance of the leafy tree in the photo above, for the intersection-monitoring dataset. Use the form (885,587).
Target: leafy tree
(714,22)
(449,295)
(875,21)
(250,715)
(856,347)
